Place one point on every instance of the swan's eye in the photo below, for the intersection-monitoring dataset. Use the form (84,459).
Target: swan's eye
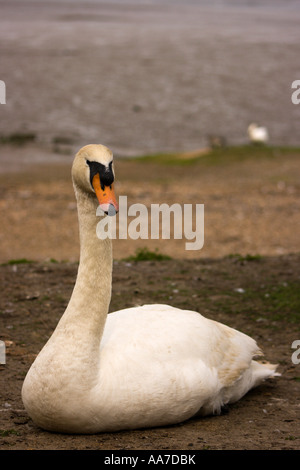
(105,173)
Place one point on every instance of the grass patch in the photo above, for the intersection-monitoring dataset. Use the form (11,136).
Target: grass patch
(62,140)
(283,302)
(143,254)
(8,432)
(247,257)
(270,305)
(17,261)
(165,159)
(18,138)
(245,152)
(218,156)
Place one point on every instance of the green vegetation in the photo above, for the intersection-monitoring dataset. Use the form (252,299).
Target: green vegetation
(165,159)
(268,304)
(62,140)
(247,257)
(283,302)
(17,261)
(218,156)
(18,138)
(8,432)
(143,254)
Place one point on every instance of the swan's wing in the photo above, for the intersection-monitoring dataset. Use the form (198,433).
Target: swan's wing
(155,340)
(163,365)
(163,332)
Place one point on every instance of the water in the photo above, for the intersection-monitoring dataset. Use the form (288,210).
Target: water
(150,76)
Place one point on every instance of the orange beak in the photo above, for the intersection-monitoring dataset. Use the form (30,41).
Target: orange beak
(106,196)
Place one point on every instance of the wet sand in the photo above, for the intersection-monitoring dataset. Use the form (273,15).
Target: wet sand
(149,77)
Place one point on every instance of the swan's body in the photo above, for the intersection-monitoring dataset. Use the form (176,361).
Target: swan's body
(139,367)
(258,134)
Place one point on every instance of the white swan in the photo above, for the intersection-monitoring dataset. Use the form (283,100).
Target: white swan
(139,367)
(258,134)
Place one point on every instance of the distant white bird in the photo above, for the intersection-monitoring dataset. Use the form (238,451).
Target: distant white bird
(258,134)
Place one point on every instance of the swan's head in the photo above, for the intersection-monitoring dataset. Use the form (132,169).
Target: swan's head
(93,173)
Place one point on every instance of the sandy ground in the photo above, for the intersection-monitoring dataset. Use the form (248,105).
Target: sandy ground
(251,207)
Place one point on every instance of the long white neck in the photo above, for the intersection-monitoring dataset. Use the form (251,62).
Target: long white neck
(82,324)
(92,292)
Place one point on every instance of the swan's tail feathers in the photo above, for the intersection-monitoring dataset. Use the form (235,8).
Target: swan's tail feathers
(262,371)
(255,375)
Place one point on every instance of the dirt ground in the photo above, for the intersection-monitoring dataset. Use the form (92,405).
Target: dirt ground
(247,276)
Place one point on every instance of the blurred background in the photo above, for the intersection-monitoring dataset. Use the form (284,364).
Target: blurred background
(149,77)
(146,76)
